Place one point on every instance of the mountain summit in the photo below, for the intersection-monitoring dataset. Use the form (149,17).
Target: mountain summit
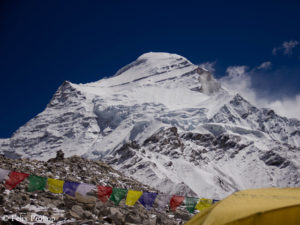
(170,124)
(164,69)
(152,64)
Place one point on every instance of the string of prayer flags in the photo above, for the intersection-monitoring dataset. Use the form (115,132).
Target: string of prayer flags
(36,183)
(117,195)
(191,203)
(70,187)
(104,193)
(55,186)
(147,199)
(84,188)
(132,197)
(14,179)
(3,174)
(163,200)
(203,204)
(175,202)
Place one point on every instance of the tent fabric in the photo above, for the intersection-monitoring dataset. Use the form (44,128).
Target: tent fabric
(70,187)
(3,174)
(147,199)
(132,197)
(14,179)
(268,206)
(55,186)
(104,193)
(36,183)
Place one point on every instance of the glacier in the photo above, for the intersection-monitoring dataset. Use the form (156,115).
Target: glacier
(169,124)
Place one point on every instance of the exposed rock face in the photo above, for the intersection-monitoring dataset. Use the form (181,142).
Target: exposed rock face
(166,149)
(65,209)
(168,124)
(59,157)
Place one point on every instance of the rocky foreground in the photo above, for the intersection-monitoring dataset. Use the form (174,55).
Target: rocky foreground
(44,207)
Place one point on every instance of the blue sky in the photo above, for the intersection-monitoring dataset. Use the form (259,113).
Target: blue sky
(43,43)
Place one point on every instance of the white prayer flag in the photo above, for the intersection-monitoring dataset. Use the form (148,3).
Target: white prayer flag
(3,174)
(163,200)
(83,188)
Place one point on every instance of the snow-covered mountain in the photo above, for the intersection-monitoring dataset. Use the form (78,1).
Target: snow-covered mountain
(169,124)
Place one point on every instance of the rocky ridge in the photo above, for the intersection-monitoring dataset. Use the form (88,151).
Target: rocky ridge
(65,209)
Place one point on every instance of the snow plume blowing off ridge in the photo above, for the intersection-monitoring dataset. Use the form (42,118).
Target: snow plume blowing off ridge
(238,79)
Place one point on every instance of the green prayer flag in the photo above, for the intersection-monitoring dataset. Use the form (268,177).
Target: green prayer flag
(36,183)
(117,195)
(191,203)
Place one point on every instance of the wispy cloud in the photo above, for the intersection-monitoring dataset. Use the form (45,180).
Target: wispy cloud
(210,66)
(289,107)
(238,79)
(265,66)
(286,48)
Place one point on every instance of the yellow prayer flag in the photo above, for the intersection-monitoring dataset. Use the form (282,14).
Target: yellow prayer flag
(132,197)
(55,186)
(203,204)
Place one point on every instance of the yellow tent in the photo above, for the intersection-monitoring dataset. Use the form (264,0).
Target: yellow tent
(269,206)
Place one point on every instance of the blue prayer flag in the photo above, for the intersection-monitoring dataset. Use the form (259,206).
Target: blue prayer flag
(70,188)
(147,199)
(215,201)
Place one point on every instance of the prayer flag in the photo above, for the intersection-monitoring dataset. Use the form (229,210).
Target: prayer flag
(215,201)
(117,195)
(132,197)
(104,193)
(162,201)
(14,179)
(147,199)
(3,174)
(191,203)
(84,188)
(70,187)
(55,186)
(176,201)
(203,204)
(36,183)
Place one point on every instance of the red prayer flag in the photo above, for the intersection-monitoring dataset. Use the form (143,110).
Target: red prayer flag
(104,193)
(176,201)
(14,179)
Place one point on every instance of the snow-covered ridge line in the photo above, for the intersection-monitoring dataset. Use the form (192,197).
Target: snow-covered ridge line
(215,130)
